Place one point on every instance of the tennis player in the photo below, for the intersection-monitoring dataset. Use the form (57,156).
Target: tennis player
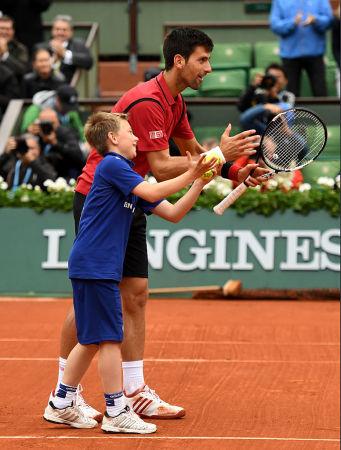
(157,113)
(96,263)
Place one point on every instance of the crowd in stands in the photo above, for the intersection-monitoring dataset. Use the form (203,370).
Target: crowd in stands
(52,142)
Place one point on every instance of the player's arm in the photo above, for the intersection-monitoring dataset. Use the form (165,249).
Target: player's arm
(155,192)
(174,213)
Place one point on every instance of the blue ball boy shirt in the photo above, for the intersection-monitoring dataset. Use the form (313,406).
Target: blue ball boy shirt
(99,248)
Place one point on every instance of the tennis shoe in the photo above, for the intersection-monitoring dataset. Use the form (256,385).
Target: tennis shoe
(126,422)
(71,415)
(87,410)
(147,404)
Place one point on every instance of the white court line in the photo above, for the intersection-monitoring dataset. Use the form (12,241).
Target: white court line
(34,300)
(298,344)
(187,360)
(181,438)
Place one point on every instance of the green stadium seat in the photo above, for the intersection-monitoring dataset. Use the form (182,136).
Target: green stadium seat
(227,83)
(231,56)
(331,81)
(266,53)
(320,169)
(332,150)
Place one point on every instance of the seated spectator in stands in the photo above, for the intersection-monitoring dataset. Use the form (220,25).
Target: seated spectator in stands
(13,54)
(23,163)
(59,144)
(69,53)
(42,78)
(27,17)
(301,27)
(263,99)
(64,101)
(9,87)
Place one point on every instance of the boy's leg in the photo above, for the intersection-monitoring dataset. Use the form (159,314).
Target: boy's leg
(118,417)
(63,409)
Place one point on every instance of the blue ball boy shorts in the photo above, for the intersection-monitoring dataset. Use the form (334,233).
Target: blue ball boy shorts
(98,311)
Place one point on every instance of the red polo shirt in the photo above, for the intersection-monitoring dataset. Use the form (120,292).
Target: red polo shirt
(155,116)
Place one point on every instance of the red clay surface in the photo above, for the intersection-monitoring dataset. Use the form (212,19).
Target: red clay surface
(251,375)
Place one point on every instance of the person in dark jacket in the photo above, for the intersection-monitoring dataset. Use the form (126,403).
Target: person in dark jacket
(27,17)
(13,53)
(60,145)
(69,53)
(23,163)
(42,78)
(9,87)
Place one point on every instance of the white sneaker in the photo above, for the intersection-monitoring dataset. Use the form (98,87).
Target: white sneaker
(147,404)
(87,410)
(72,415)
(126,422)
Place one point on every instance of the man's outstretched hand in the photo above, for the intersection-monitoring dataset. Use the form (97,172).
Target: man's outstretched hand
(242,144)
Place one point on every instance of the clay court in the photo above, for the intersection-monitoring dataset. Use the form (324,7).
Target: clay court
(251,375)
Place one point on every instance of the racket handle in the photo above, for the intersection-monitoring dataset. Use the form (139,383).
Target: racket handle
(231,198)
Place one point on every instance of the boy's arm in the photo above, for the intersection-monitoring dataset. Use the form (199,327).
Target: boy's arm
(154,192)
(174,213)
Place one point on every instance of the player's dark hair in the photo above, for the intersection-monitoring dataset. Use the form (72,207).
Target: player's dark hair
(277,66)
(183,41)
(99,125)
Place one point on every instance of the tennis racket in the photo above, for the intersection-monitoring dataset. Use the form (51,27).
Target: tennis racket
(292,140)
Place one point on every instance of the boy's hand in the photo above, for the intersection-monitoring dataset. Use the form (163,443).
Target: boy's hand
(202,165)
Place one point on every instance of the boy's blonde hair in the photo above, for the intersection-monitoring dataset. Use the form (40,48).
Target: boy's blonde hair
(99,125)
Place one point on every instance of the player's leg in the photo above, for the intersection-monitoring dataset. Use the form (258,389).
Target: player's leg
(317,75)
(134,292)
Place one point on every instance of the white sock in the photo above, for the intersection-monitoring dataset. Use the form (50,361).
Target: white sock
(64,396)
(115,403)
(61,368)
(133,378)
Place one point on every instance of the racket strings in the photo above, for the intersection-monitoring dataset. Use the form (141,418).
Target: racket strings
(292,140)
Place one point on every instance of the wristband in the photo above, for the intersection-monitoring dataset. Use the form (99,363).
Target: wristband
(225,169)
(230,171)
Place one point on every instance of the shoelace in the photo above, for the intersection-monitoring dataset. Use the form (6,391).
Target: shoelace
(152,393)
(79,397)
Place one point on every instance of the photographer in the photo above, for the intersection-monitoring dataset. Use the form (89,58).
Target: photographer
(265,98)
(23,163)
(59,144)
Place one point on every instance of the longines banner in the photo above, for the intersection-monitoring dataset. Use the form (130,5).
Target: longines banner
(282,251)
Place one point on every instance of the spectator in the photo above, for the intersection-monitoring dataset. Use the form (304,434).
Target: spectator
(64,101)
(263,99)
(9,87)
(42,78)
(301,27)
(249,97)
(27,17)
(69,53)
(13,53)
(23,163)
(59,145)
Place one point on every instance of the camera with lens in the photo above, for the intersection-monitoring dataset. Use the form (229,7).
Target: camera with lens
(21,146)
(46,127)
(268,82)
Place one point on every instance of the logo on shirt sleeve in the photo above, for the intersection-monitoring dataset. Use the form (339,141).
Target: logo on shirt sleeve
(156,134)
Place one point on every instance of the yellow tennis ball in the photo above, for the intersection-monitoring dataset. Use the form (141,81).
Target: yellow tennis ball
(208,157)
